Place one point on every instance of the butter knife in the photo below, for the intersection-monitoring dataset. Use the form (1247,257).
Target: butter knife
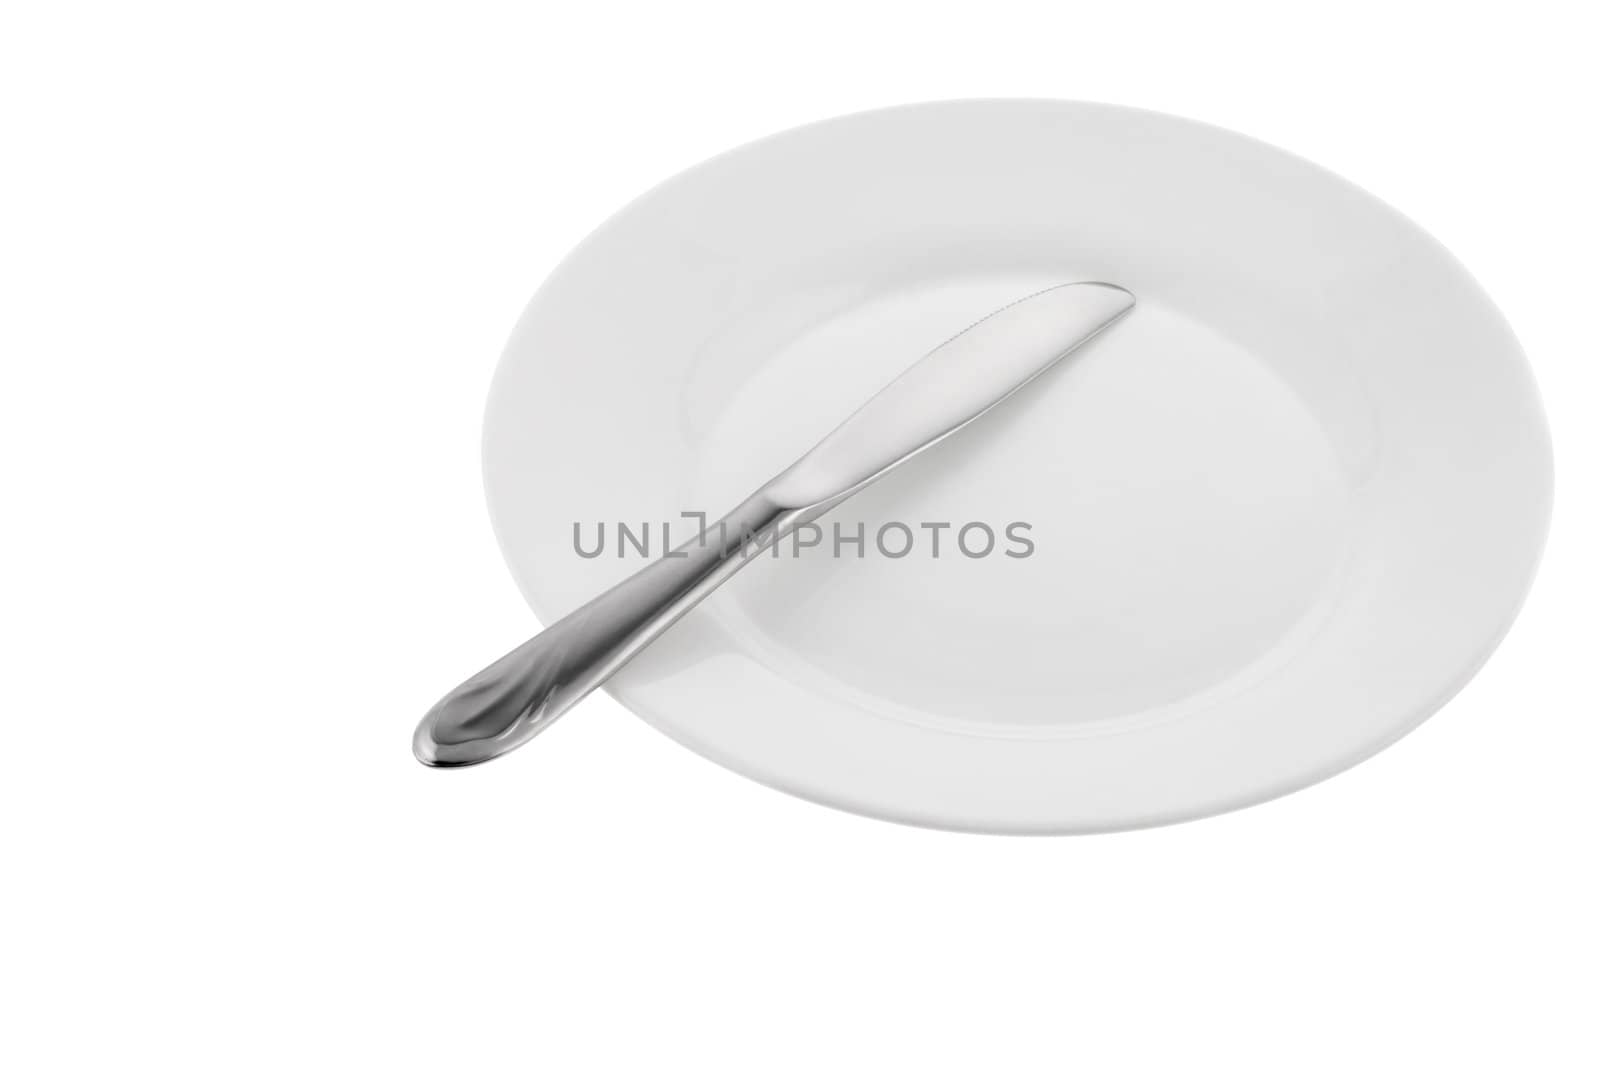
(509,702)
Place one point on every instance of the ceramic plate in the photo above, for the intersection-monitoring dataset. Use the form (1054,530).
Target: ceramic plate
(1253,534)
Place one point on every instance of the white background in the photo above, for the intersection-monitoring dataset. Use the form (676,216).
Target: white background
(256,264)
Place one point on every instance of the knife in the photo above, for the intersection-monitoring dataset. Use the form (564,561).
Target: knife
(506,704)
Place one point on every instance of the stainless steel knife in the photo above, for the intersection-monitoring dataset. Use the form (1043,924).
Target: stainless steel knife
(509,702)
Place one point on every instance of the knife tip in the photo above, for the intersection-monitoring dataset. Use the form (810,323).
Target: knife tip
(1108,301)
(1121,295)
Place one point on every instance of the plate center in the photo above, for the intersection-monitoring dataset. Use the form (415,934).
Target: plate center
(1155,518)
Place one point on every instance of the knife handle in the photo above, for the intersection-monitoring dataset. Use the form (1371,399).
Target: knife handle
(509,702)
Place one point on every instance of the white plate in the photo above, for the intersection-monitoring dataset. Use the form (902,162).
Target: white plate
(1279,515)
